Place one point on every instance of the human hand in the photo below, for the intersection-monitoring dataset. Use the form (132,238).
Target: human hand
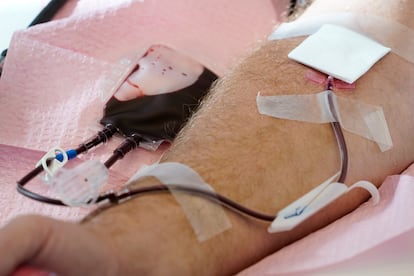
(30,271)
(53,246)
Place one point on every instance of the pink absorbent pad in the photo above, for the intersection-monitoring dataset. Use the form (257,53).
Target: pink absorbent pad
(58,76)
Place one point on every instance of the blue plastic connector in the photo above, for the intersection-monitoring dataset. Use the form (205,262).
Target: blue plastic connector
(71,154)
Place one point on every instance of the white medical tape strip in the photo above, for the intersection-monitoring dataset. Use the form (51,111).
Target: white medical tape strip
(80,186)
(365,120)
(54,165)
(398,37)
(206,218)
(359,118)
(314,201)
(310,108)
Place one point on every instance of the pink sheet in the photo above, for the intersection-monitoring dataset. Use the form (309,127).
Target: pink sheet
(55,76)
(14,163)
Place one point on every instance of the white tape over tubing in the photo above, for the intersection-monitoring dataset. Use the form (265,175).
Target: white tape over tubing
(314,201)
(357,117)
(207,219)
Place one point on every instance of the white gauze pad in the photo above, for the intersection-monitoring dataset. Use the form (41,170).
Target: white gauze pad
(207,219)
(357,117)
(398,37)
(339,52)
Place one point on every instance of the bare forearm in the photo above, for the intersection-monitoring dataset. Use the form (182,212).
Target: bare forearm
(261,162)
(237,150)
(266,163)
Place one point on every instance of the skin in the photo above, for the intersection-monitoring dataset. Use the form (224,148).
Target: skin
(259,161)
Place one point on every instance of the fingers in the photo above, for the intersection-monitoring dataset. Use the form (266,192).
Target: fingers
(29,271)
(59,247)
(21,239)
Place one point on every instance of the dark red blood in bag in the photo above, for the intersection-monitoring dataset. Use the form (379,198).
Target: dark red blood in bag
(158,117)
(157,110)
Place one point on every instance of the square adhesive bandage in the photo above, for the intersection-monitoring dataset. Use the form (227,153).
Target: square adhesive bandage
(339,52)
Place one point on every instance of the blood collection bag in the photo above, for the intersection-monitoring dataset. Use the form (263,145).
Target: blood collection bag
(160,94)
(151,105)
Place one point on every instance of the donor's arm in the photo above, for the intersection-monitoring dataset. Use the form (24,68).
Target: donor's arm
(258,161)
